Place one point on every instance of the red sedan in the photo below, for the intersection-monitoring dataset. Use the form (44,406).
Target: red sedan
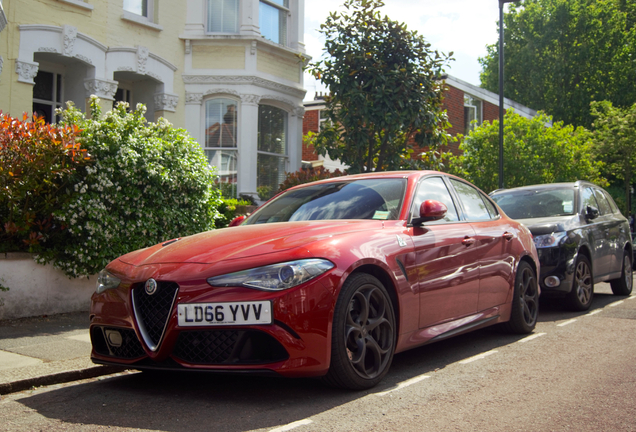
(327,279)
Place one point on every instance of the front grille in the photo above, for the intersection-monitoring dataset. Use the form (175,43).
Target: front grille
(152,311)
(218,347)
(129,348)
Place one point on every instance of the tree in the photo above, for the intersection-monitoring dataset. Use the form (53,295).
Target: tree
(385,92)
(615,141)
(560,55)
(535,153)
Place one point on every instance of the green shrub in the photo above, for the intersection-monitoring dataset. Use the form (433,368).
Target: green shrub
(148,182)
(307,175)
(36,164)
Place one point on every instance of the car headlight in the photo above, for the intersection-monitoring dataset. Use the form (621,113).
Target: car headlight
(275,277)
(106,280)
(550,240)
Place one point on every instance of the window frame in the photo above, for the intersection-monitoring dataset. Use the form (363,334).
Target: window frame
(477,105)
(58,92)
(223,150)
(283,157)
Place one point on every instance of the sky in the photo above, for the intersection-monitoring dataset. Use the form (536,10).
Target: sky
(462,26)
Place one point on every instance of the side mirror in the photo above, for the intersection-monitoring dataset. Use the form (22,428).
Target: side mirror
(430,210)
(237,221)
(591,212)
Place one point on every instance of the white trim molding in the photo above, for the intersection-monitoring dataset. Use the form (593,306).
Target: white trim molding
(26,71)
(166,102)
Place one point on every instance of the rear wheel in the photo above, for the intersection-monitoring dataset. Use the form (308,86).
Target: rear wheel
(363,334)
(525,302)
(623,285)
(582,293)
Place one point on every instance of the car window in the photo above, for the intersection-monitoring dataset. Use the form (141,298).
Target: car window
(472,200)
(603,204)
(611,202)
(536,203)
(434,188)
(379,199)
(587,199)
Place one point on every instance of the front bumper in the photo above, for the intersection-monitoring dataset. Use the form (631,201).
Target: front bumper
(557,262)
(296,343)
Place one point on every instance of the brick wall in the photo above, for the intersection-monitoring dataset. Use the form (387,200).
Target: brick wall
(454,104)
(491,112)
(310,123)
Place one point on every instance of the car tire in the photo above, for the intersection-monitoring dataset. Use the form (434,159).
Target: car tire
(363,334)
(525,302)
(623,285)
(580,296)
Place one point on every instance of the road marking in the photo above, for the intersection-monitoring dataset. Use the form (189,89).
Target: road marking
(566,323)
(631,297)
(404,384)
(529,338)
(291,426)
(82,338)
(478,357)
(616,303)
(594,312)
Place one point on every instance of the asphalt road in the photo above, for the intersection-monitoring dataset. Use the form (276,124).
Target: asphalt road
(577,372)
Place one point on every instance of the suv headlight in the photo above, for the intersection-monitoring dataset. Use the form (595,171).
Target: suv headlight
(550,240)
(275,277)
(106,280)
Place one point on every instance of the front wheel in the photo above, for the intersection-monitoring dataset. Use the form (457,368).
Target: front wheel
(525,302)
(363,334)
(623,285)
(582,293)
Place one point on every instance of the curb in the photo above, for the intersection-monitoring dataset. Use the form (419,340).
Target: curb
(58,378)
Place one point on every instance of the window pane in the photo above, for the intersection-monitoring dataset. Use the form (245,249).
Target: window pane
(271,173)
(273,23)
(223,16)
(471,199)
(139,7)
(434,189)
(43,88)
(272,128)
(43,110)
(220,123)
(226,163)
(604,206)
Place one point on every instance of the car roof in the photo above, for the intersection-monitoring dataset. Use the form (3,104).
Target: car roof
(545,186)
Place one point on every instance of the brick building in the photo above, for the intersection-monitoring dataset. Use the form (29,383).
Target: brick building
(467,105)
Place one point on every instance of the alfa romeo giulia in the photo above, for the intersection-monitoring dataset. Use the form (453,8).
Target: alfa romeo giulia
(327,279)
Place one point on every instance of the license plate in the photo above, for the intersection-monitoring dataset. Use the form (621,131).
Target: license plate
(215,314)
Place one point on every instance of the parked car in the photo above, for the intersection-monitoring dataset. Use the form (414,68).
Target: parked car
(326,279)
(581,236)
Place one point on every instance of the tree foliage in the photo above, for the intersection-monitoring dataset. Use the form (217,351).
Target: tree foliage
(534,153)
(560,55)
(615,141)
(384,87)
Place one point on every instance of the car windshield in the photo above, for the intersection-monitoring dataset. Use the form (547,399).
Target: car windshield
(379,199)
(529,204)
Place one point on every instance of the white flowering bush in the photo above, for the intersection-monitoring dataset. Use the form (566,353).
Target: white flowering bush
(147,183)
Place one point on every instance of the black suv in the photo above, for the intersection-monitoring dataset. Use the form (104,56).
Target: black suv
(581,237)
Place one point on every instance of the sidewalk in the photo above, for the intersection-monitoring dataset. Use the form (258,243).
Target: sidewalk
(46,350)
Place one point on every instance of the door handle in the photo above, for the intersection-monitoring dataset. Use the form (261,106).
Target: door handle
(508,236)
(468,241)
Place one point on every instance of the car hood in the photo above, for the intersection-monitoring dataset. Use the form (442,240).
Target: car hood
(243,241)
(540,226)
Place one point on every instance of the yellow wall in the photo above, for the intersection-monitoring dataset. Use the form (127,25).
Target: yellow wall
(277,65)
(218,57)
